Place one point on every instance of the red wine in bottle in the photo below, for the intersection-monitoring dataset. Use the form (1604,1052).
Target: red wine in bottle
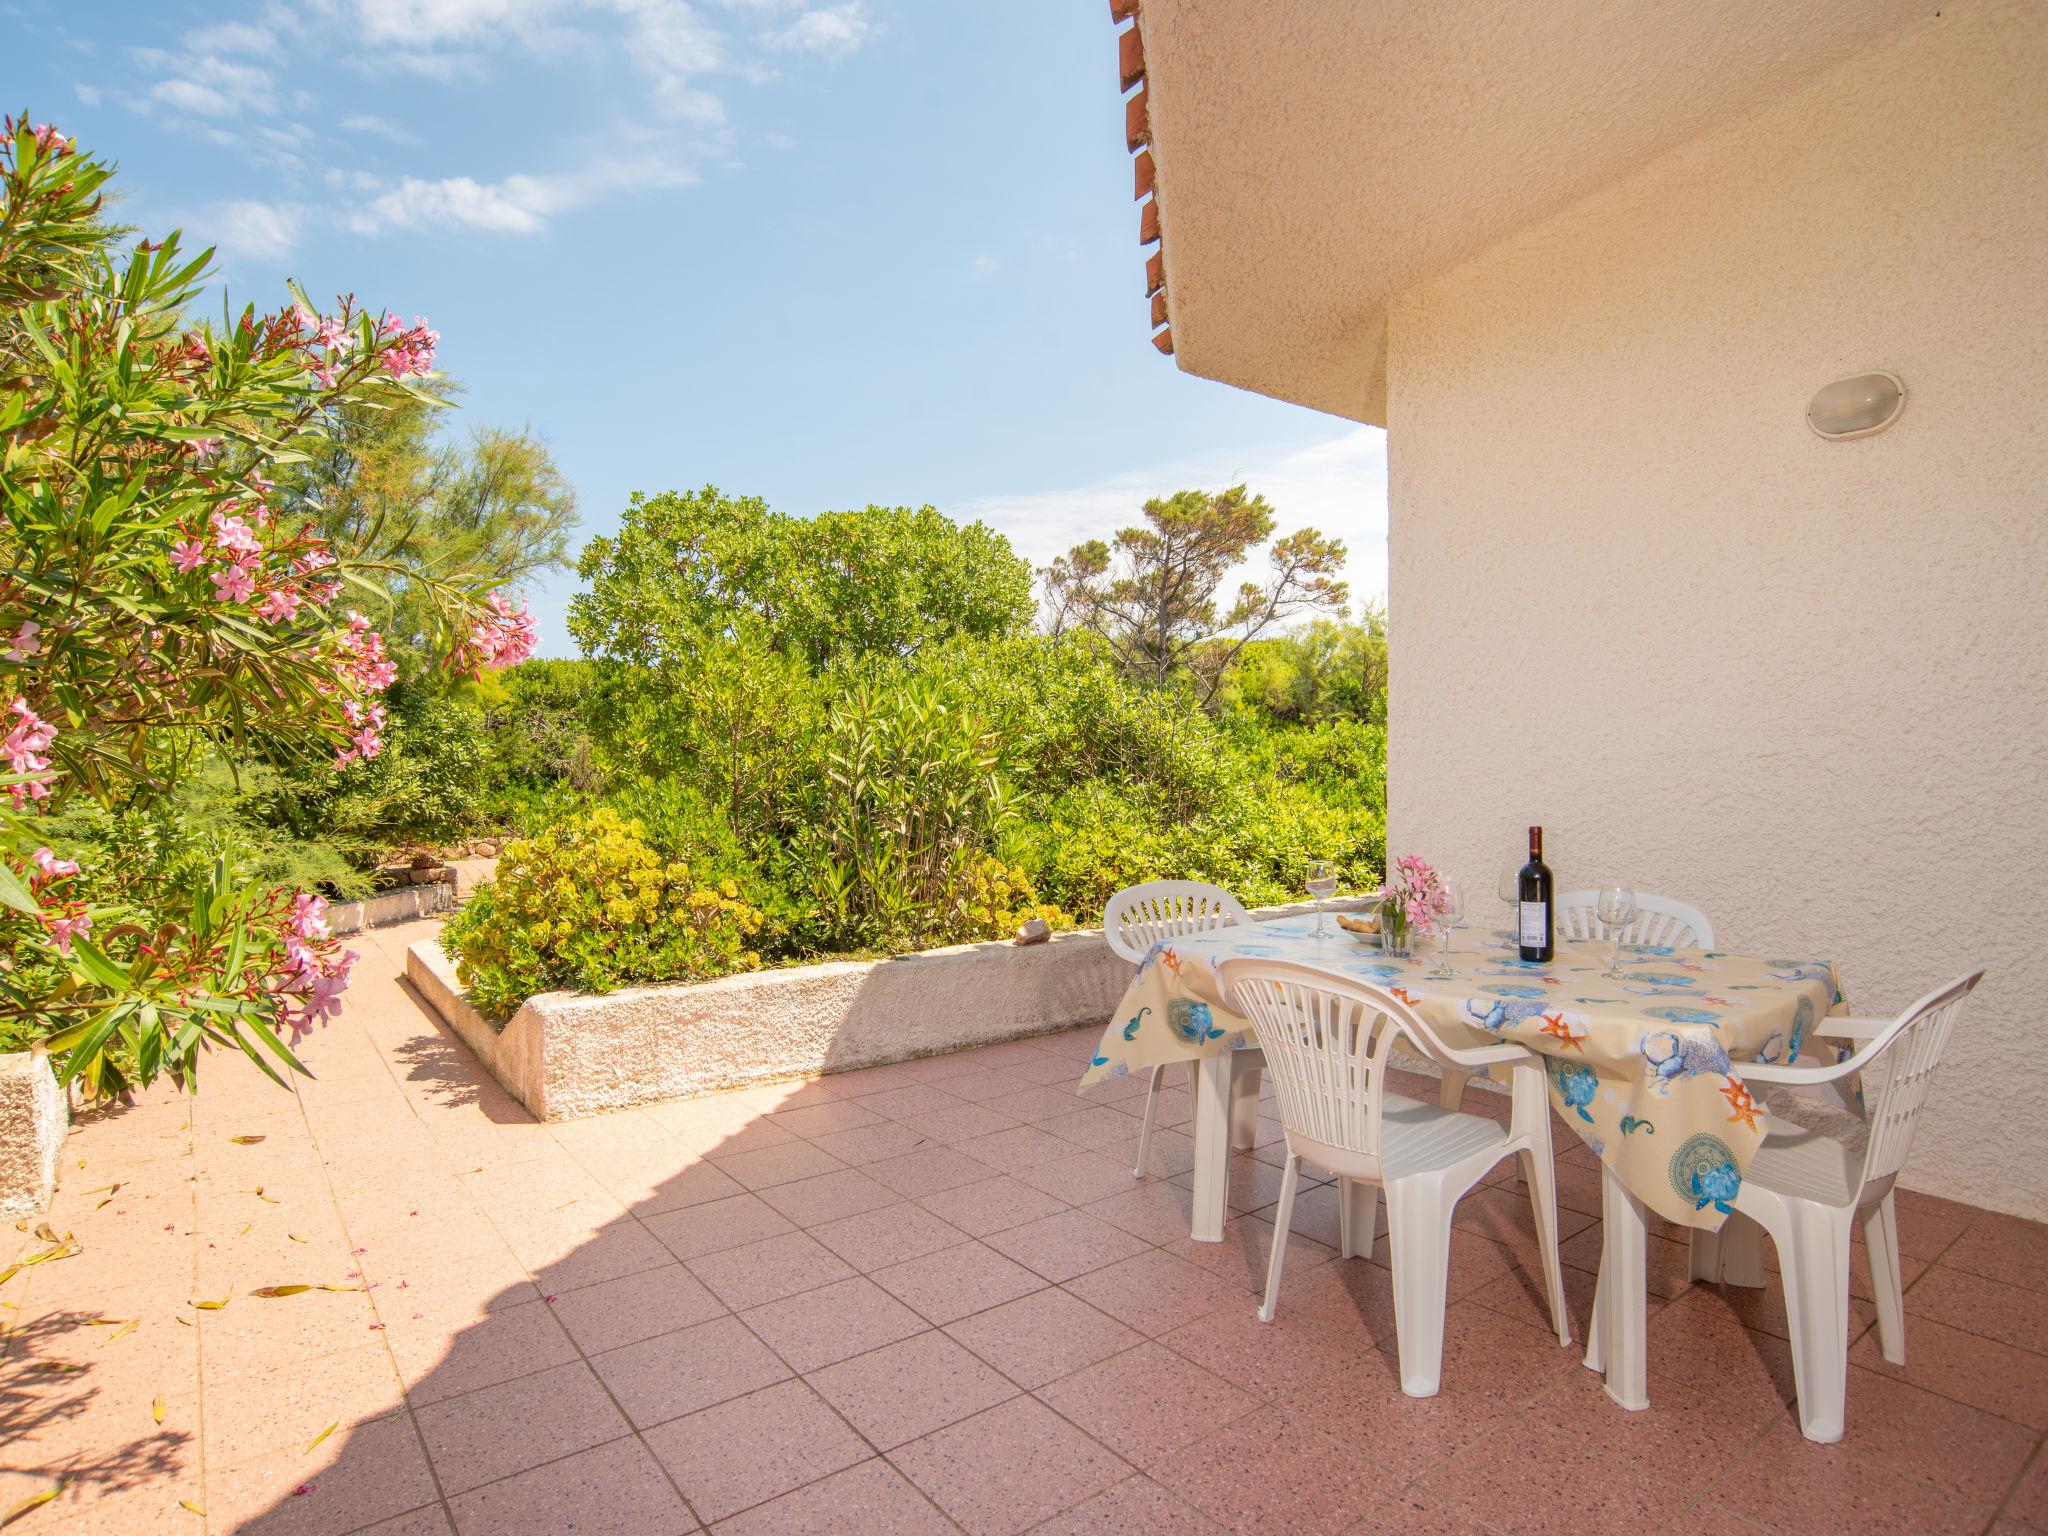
(1534,911)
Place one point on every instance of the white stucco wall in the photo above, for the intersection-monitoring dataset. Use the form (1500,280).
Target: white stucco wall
(1801,684)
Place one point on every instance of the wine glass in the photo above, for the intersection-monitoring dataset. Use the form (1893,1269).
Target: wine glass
(1322,883)
(1616,909)
(1452,915)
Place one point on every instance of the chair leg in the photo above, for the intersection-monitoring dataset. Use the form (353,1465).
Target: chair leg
(1703,1255)
(1145,1130)
(1816,1274)
(1358,1217)
(1282,1219)
(1244,1107)
(1880,1224)
(1540,1173)
(1419,1247)
(1742,1253)
(1452,1093)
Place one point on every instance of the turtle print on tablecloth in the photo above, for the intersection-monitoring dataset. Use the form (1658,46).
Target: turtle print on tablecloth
(1191,1021)
(1703,1172)
(1575,1084)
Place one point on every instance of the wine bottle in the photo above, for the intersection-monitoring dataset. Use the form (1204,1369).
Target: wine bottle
(1534,909)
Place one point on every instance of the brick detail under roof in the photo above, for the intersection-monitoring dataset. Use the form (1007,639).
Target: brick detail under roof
(1130,59)
(1130,56)
(1137,124)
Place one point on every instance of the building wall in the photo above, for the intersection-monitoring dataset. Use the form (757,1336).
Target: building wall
(1801,684)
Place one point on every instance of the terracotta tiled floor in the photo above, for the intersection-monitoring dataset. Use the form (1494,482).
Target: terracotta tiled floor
(922,1298)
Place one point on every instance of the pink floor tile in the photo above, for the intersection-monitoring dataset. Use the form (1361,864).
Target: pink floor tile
(948,1285)
(1019,1148)
(893,1234)
(1156,1292)
(493,1433)
(815,1120)
(1078,1177)
(750,1449)
(678,1373)
(2002,1248)
(1560,1482)
(911,1388)
(353,1479)
(1008,1469)
(1146,1402)
(927,1170)
(829,1196)
(1998,1378)
(1266,1476)
(2007,1313)
(872,1496)
(1137,1506)
(781,1164)
(1067,1244)
(1042,1337)
(991,1205)
(438,1363)
(717,1225)
(758,1273)
(832,1322)
(874,1143)
(1789,1485)
(634,1307)
(612,1488)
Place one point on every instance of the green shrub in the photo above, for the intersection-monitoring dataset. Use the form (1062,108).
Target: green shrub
(588,904)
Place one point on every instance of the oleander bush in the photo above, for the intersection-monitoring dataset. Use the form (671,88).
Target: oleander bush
(589,904)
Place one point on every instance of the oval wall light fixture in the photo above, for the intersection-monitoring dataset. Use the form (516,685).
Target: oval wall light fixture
(1857,406)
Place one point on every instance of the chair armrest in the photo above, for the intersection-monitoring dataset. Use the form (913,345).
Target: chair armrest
(1794,1077)
(1493,1056)
(1842,1027)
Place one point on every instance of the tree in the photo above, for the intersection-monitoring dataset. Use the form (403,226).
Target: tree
(1153,593)
(380,478)
(689,569)
(156,610)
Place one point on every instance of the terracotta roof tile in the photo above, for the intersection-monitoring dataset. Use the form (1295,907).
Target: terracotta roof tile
(1148,221)
(1141,171)
(1122,10)
(1137,124)
(1155,273)
(1164,342)
(1130,56)
(1159,307)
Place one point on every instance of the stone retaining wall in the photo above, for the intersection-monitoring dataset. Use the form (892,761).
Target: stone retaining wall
(34,1117)
(566,1054)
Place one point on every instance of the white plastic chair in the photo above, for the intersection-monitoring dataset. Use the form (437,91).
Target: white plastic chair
(1138,917)
(1658,920)
(1805,1189)
(1328,1042)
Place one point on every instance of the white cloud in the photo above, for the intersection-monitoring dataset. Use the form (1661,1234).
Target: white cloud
(259,231)
(829,29)
(379,128)
(206,85)
(88,94)
(231,37)
(413,24)
(1338,486)
(986,264)
(516,205)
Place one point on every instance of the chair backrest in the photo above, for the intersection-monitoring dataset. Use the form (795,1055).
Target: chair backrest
(1327,1040)
(1911,1049)
(1139,916)
(1659,920)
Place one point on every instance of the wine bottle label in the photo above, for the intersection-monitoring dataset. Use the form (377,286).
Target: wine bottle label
(1535,923)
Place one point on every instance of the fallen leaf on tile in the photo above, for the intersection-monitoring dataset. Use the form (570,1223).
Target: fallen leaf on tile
(33,1501)
(258,1193)
(156,1408)
(330,1429)
(122,1332)
(295,1237)
(283,1290)
(188,1504)
(245,1141)
(212,1306)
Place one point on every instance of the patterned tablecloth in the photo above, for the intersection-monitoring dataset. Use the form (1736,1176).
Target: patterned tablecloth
(1645,1069)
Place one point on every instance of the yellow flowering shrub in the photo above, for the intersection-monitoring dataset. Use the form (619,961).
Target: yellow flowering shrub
(588,905)
(994,897)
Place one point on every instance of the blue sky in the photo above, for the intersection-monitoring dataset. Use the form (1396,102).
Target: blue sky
(829,252)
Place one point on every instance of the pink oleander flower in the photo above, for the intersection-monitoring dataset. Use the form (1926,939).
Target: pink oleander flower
(365,742)
(411,349)
(50,137)
(323,376)
(188,555)
(309,915)
(23,750)
(315,559)
(323,592)
(236,584)
(363,658)
(25,642)
(52,867)
(334,334)
(280,605)
(1418,891)
(503,636)
(234,536)
(64,929)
